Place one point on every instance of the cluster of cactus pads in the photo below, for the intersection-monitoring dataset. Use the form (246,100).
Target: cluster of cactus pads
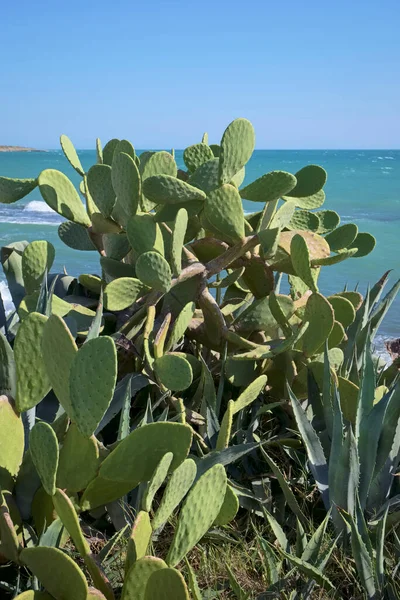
(187,293)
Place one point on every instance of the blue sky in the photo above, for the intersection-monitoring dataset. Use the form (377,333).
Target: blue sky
(311,74)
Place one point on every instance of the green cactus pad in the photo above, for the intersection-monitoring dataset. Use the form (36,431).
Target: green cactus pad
(153,270)
(127,147)
(12,190)
(179,484)
(126,183)
(316,244)
(123,292)
(108,151)
(178,239)
(75,236)
(166,213)
(114,269)
(7,368)
(165,189)
(229,508)
(180,325)
(310,180)
(198,513)
(342,237)
(10,546)
(137,455)
(196,155)
(250,394)
(240,373)
(319,313)
(354,297)
(269,187)
(224,211)
(336,336)
(67,513)
(174,372)
(300,258)
(343,309)
(139,539)
(43,446)
(58,573)
(334,259)
(305,220)
(258,317)
(93,374)
(43,512)
(237,145)
(156,481)
(101,188)
(206,177)
(93,283)
(77,450)
(102,491)
(364,242)
(102,225)
(37,258)
(329,220)
(307,202)
(283,215)
(166,584)
(71,155)
(138,576)
(224,434)
(32,379)
(61,196)
(59,350)
(144,234)
(116,245)
(157,163)
(269,239)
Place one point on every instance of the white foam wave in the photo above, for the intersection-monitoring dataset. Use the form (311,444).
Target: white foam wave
(6,297)
(389,157)
(38,206)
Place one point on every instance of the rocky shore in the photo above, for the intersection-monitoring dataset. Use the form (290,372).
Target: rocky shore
(18,149)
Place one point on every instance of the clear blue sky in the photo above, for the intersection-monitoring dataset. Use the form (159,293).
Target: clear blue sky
(308,74)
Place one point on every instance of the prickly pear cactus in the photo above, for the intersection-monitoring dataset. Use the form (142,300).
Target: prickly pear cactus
(166,584)
(136,579)
(139,539)
(61,196)
(179,484)
(43,446)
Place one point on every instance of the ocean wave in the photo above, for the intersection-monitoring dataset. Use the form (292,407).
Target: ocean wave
(389,157)
(38,206)
(6,297)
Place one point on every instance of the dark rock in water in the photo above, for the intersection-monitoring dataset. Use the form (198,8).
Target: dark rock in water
(393,348)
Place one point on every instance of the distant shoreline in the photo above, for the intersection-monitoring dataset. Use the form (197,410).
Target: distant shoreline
(18,149)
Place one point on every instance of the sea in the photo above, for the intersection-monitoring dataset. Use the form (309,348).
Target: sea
(363,187)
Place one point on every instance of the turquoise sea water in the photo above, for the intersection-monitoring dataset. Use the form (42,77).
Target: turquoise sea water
(363,187)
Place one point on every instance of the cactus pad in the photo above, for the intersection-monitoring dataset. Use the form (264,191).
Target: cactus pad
(153,270)
(33,595)
(300,258)
(75,236)
(224,211)
(70,153)
(364,242)
(123,292)
(126,183)
(174,372)
(249,394)
(37,258)
(348,392)
(101,188)
(328,219)
(310,180)
(139,539)
(196,155)
(229,508)
(77,449)
(67,513)
(12,190)
(144,234)
(43,445)
(178,239)
(32,379)
(59,349)
(137,455)
(180,325)
(342,237)
(10,546)
(237,145)
(116,245)
(61,196)
(198,513)
(343,309)
(138,576)
(258,317)
(108,151)
(316,244)
(305,220)
(166,584)
(165,189)
(206,177)
(58,573)
(7,368)
(269,187)
(224,434)
(179,484)
(156,481)
(320,316)
(92,380)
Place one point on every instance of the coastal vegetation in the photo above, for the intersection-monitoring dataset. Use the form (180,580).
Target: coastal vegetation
(195,419)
